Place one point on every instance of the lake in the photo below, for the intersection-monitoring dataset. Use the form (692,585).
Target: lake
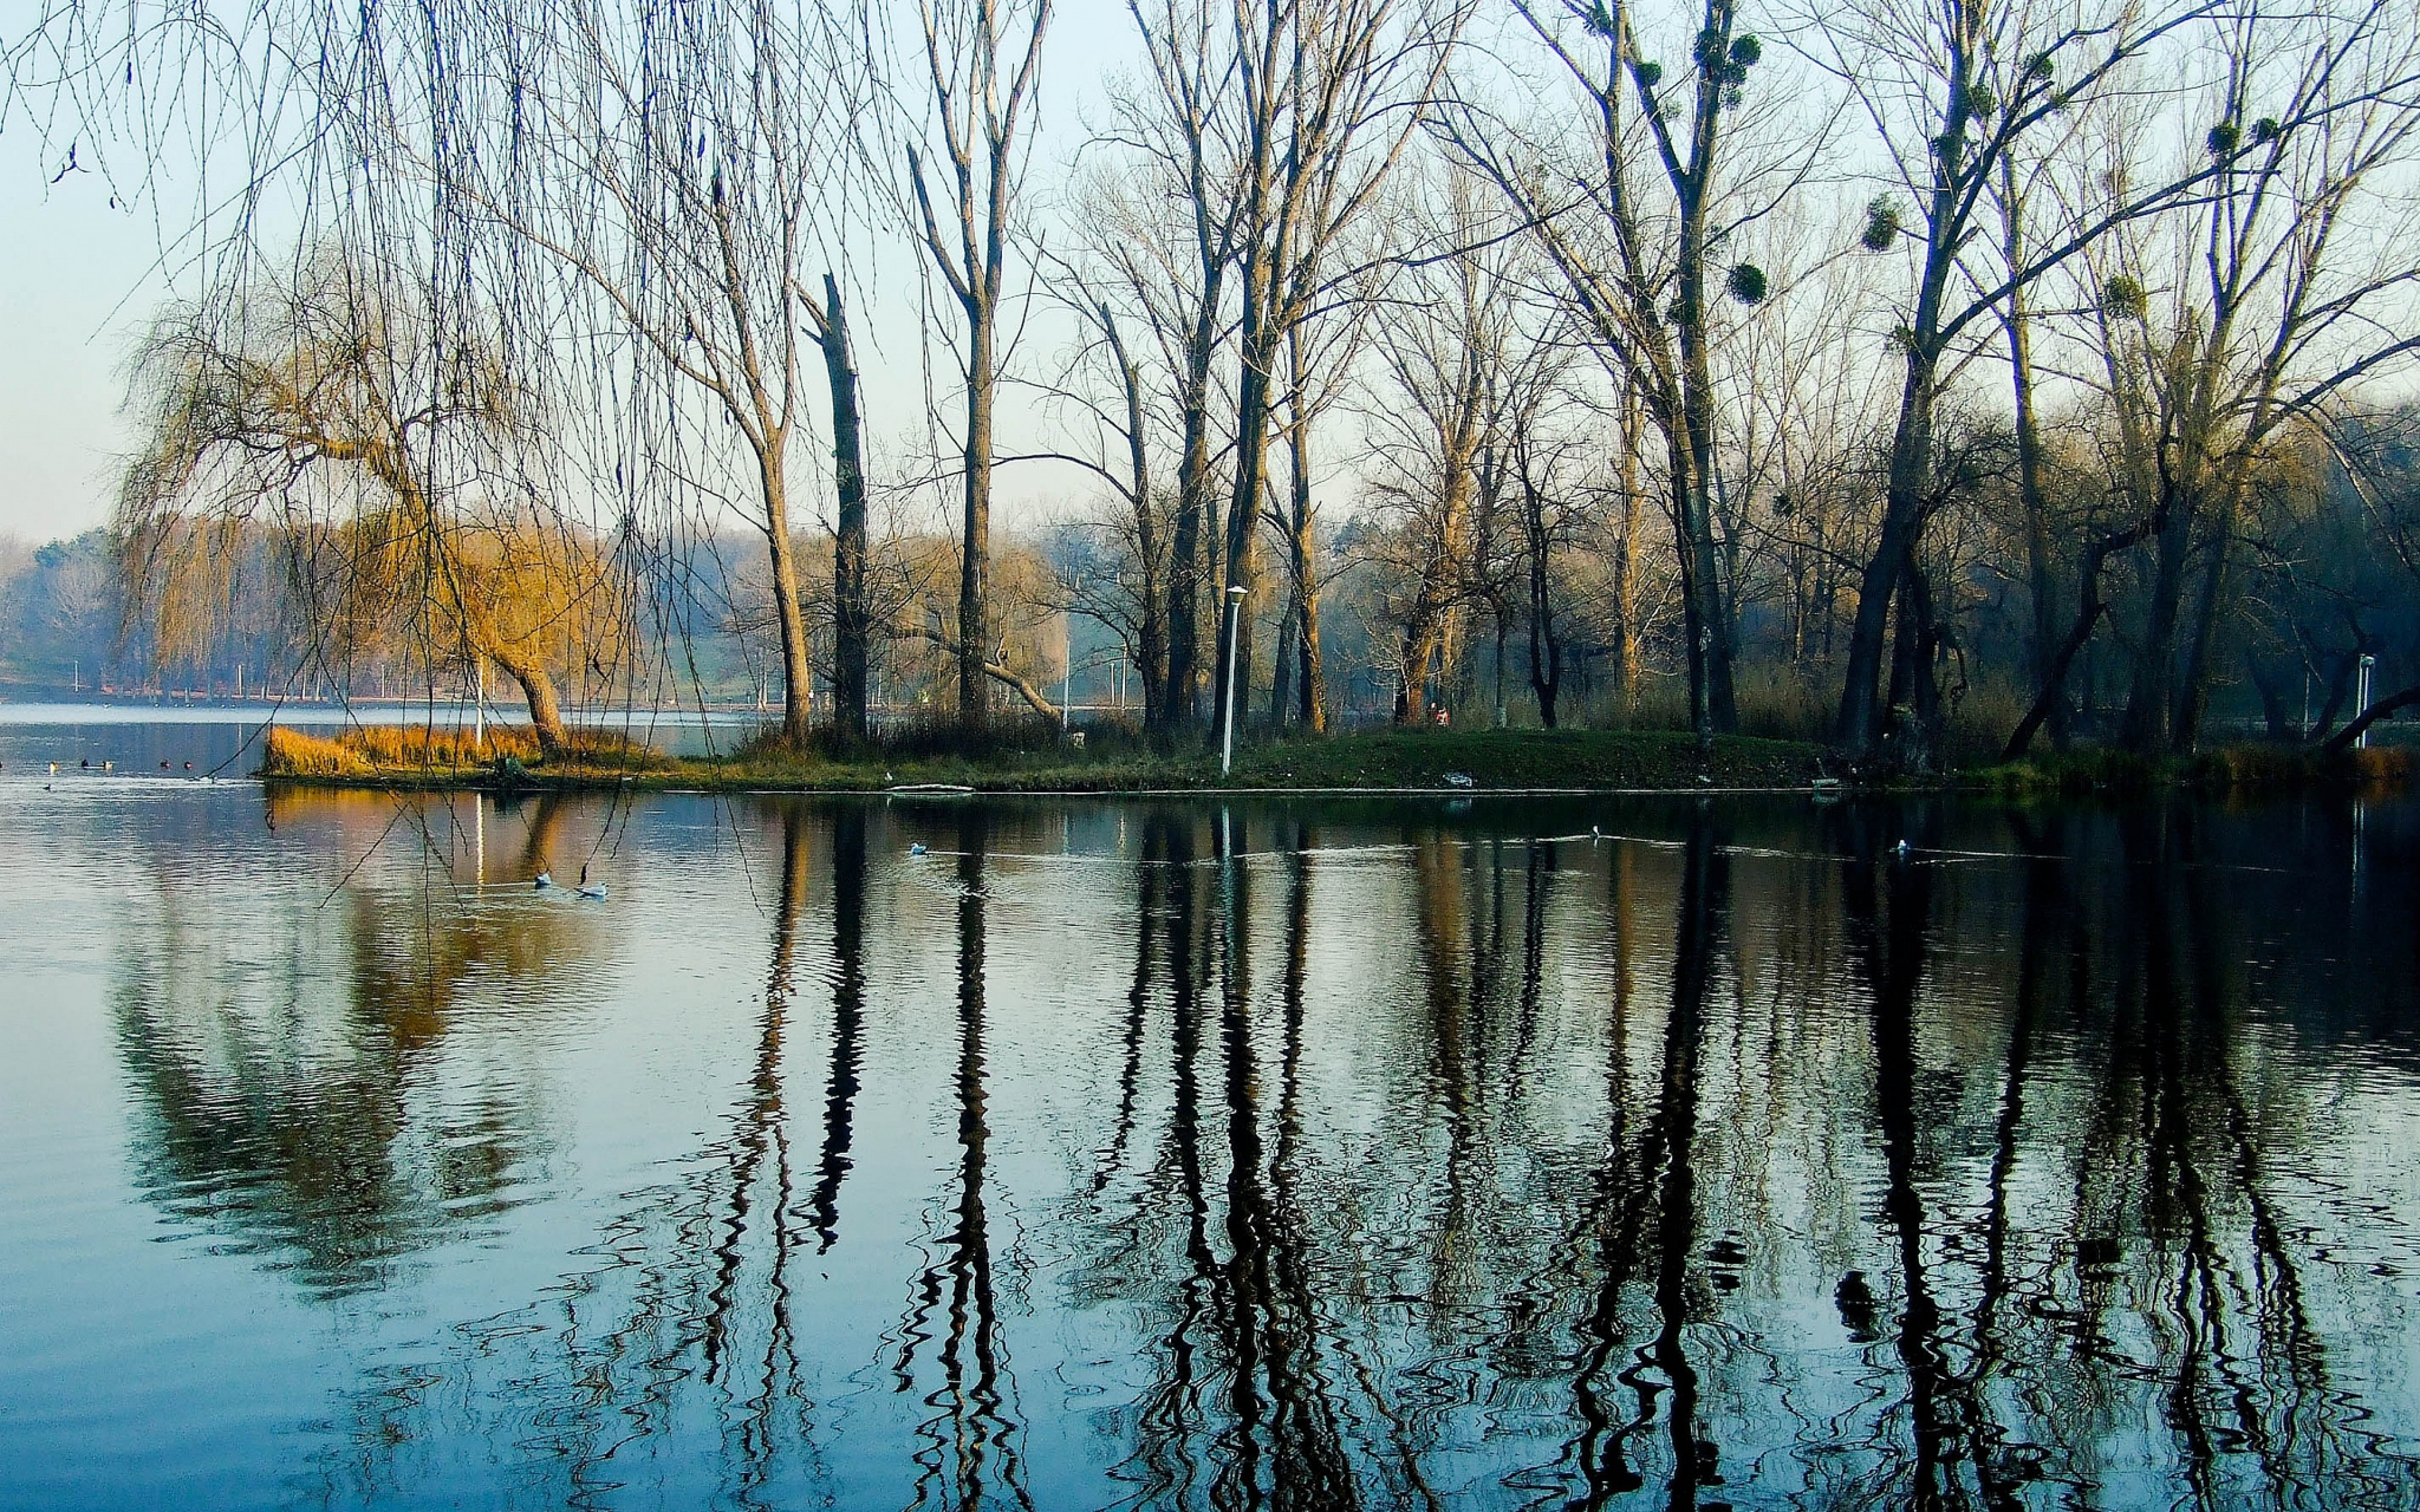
(1648,1152)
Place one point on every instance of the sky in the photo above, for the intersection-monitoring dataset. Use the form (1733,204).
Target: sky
(78,279)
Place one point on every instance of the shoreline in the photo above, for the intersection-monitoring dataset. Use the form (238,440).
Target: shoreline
(1395,762)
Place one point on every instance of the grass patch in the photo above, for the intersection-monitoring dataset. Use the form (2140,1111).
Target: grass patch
(1524,759)
(415,754)
(1110,762)
(290,753)
(2250,768)
(1114,760)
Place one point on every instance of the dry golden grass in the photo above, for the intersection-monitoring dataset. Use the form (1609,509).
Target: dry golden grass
(417,745)
(2384,765)
(292,753)
(370,751)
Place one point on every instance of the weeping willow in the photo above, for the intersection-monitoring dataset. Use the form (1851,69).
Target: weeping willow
(393,475)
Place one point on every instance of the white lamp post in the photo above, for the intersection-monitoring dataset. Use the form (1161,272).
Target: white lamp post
(1227,742)
(2362,700)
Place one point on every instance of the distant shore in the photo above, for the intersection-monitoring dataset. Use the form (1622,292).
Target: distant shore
(1444,761)
(1440,760)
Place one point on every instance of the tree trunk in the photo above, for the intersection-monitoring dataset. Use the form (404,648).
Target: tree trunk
(1696,627)
(1625,561)
(1860,722)
(1282,665)
(2043,645)
(1151,626)
(537,688)
(1503,628)
(1711,635)
(2339,689)
(1303,550)
(1243,515)
(1187,571)
(2152,704)
(798,676)
(2193,690)
(1314,669)
(1546,650)
(1420,652)
(2052,691)
(851,613)
(2342,740)
(1915,719)
(2277,716)
(974,559)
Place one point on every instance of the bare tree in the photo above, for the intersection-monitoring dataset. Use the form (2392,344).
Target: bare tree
(1331,95)
(1954,92)
(1442,342)
(684,175)
(2238,315)
(982,61)
(1635,229)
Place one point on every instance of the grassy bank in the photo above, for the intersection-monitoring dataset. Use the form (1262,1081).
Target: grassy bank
(2246,769)
(1497,759)
(1493,759)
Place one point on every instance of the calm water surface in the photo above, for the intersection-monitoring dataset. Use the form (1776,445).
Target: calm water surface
(1318,1154)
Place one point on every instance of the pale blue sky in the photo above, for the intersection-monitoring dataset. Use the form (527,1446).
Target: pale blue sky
(78,280)
(75,280)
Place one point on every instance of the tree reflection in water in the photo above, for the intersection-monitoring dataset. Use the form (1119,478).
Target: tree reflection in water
(305,1124)
(967,1454)
(1744,1161)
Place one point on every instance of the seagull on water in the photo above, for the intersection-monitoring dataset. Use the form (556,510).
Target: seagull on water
(1901,850)
(544,880)
(917,849)
(587,888)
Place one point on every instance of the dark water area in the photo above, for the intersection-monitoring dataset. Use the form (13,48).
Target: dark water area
(1337,1153)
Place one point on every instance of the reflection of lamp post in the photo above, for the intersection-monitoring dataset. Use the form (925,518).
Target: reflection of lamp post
(1227,745)
(2361,742)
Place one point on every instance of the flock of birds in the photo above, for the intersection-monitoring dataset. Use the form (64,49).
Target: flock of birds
(544,881)
(108,767)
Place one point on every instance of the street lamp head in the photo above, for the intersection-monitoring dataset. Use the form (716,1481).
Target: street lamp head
(1237,592)
(2369,661)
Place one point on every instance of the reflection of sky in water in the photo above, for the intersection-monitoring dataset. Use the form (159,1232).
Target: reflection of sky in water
(2068,1160)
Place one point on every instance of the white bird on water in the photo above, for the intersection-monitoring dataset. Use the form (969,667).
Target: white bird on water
(917,849)
(1902,849)
(588,889)
(544,880)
